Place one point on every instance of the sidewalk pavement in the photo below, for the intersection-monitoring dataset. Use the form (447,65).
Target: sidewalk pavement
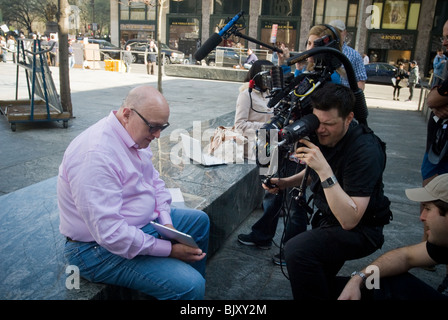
(33,153)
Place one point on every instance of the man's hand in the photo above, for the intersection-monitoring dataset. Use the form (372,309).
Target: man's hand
(279,184)
(310,154)
(352,289)
(186,253)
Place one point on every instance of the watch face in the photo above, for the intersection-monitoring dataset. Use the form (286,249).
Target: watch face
(329,182)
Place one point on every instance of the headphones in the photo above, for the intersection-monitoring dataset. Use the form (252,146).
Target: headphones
(335,33)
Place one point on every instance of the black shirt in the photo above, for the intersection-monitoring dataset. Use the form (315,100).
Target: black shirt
(358,162)
(437,253)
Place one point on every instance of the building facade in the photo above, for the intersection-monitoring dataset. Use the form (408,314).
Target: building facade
(386,30)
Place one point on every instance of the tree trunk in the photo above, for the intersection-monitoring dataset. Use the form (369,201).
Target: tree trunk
(160,56)
(64,76)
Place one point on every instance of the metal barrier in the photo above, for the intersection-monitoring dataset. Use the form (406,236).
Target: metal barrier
(40,85)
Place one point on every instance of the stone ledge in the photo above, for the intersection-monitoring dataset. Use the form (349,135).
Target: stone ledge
(205,72)
(32,263)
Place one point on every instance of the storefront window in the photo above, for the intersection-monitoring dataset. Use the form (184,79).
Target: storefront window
(185,6)
(375,15)
(124,12)
(286,32)
(283,8)
(395,14)
(137,20)
(137,11)
(352,14)
(319,12)
(336,10)
(151,12)
(328,10)
(413,16)
(230,6)
(184,34)
(223,11)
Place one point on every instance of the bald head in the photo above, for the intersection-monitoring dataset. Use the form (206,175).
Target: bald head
(144,106)
(145,98)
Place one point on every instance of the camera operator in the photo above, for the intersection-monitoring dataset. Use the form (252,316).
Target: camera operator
(346,183)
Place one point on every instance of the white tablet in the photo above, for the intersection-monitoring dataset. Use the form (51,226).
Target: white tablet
(172,234)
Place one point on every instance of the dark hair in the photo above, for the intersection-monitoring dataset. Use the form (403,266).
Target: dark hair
(442,206)
(333,95)
(256,68)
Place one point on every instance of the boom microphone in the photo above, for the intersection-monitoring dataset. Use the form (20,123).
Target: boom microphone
(208,46)
(215,39)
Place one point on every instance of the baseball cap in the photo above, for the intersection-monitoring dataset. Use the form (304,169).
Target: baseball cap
(338,24)
(436,189)
(414,62)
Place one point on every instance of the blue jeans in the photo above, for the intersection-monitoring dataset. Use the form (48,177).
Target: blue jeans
(428,169)
(160,277)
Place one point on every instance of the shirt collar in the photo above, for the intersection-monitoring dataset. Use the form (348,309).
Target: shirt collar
(120,130)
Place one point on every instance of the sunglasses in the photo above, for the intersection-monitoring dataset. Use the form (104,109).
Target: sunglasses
(152,129)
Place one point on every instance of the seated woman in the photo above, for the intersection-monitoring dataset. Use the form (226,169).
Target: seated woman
(251,107)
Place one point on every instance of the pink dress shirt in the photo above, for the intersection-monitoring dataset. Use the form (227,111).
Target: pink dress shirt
(108,189)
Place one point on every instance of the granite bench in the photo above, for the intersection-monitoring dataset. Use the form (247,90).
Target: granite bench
(32,262)
(205,72)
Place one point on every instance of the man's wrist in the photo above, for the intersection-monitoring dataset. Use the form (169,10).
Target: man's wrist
(360,278)
(329,182)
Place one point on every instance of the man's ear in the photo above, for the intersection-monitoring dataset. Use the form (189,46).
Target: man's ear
(123,114)
(126,112)
(349,118)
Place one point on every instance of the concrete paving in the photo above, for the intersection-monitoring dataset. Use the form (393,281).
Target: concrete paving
(33,153)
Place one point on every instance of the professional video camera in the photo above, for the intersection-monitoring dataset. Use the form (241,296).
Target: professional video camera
(290,97)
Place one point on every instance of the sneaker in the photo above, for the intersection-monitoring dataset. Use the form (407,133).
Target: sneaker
(247,240)
(279,259)
(443,288)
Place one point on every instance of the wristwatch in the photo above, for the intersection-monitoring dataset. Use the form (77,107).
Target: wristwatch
(362,275)
(329,182)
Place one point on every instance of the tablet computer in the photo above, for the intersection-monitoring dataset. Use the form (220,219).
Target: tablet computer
(176,235)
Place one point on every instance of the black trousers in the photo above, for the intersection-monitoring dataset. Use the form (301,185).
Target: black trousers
(265,228)
(313,258)
(397,91)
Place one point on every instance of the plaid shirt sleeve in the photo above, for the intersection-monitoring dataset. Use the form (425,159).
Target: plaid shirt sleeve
(357,63)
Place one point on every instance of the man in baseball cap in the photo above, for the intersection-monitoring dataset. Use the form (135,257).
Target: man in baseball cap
(437,189)
(392,267)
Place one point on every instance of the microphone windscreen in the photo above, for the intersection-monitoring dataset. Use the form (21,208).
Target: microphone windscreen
(208,46)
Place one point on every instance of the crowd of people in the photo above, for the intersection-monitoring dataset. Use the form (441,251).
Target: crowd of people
(109,193)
